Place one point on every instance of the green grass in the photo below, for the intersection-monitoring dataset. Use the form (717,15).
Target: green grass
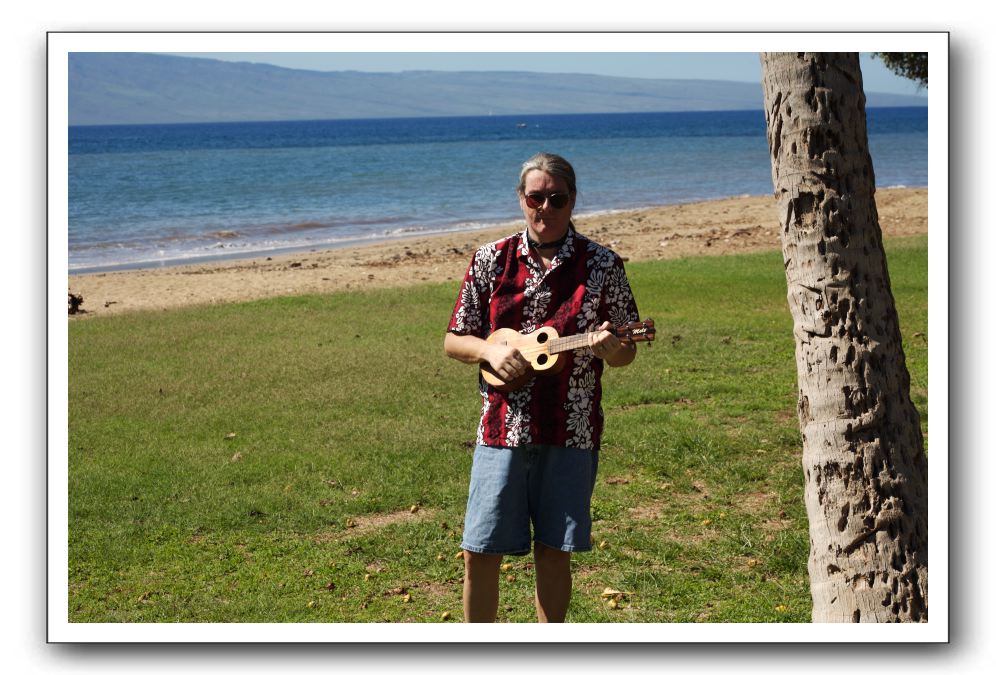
(346,413)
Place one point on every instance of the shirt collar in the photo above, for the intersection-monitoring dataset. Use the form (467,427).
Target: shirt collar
(565,251)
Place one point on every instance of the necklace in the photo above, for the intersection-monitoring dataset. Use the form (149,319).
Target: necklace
(552,244)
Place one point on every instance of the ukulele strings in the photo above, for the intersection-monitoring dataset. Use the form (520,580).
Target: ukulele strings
(579,341)
(553,346)
(562,344)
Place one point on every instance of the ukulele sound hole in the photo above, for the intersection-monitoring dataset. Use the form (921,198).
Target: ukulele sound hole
(541,359)
(542,337)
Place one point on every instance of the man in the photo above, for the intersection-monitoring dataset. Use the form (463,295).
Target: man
(537,447)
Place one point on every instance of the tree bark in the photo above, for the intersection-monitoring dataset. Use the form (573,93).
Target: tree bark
(865,469)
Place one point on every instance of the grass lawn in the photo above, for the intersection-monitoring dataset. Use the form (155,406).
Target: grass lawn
(306,458)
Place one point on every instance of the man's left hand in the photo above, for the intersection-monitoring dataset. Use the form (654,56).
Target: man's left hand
(605,345)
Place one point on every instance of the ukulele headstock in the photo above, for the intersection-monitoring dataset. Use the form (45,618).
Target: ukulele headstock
(638,331)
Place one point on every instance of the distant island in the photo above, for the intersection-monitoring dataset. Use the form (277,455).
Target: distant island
(141,88)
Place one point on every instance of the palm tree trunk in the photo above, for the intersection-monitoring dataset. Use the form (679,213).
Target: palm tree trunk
(865,469)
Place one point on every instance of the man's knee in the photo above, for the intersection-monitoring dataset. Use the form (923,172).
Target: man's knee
(481,561)
(545,554)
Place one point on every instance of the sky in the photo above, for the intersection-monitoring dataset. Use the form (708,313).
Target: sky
(739,66)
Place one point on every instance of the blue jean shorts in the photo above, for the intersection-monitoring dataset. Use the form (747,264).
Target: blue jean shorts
(547,486)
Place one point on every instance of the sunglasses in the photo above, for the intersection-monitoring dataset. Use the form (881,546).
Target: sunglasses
(557,200)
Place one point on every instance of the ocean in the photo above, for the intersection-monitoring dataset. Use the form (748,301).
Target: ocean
(154,195)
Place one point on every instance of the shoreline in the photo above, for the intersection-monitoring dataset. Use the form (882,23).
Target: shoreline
(387,236)
(714,227)
(296,249)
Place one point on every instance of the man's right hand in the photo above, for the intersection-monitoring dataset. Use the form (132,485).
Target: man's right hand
(506,362)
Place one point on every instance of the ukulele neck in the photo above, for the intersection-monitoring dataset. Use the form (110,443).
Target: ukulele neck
(569,343)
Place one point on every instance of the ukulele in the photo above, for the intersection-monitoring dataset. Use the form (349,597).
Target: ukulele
(542,349)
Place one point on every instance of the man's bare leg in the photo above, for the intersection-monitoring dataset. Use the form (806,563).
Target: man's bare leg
(553,583)
(480,587)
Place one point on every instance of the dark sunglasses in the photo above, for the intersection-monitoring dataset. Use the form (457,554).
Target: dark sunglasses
(557,200)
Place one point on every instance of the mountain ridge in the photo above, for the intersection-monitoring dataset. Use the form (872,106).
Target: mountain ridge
(146,88)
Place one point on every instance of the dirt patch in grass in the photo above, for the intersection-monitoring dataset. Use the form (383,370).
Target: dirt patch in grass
(696,501)
(356,525)
(375,521)
(706,534)
(776,524)
(429,597)
(772,527)
(434,590)
(758,503)
(754,502)
(588,571)
(648,511)
(431,590)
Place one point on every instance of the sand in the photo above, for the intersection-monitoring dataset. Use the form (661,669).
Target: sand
(718,227)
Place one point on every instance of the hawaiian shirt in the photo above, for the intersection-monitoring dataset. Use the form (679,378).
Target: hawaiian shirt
(505,287)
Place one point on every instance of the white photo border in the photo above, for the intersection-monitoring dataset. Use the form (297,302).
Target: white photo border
(60,44)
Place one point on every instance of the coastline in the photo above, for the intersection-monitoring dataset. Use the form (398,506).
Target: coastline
(715,227)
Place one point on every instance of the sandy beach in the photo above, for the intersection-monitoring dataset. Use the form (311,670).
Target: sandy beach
(733,225)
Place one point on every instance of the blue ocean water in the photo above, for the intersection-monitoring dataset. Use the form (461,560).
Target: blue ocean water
(151,195)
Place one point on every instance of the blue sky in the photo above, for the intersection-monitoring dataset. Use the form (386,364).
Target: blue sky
(741,66)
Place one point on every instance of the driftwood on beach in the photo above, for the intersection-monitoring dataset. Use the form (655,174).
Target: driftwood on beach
(74,304)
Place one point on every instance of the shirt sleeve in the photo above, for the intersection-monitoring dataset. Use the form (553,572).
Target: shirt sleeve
(619,305)
(471,310)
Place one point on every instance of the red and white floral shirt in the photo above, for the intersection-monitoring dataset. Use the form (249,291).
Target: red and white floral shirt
(506,288)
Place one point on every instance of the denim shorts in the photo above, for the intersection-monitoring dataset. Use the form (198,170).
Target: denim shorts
(548,486)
